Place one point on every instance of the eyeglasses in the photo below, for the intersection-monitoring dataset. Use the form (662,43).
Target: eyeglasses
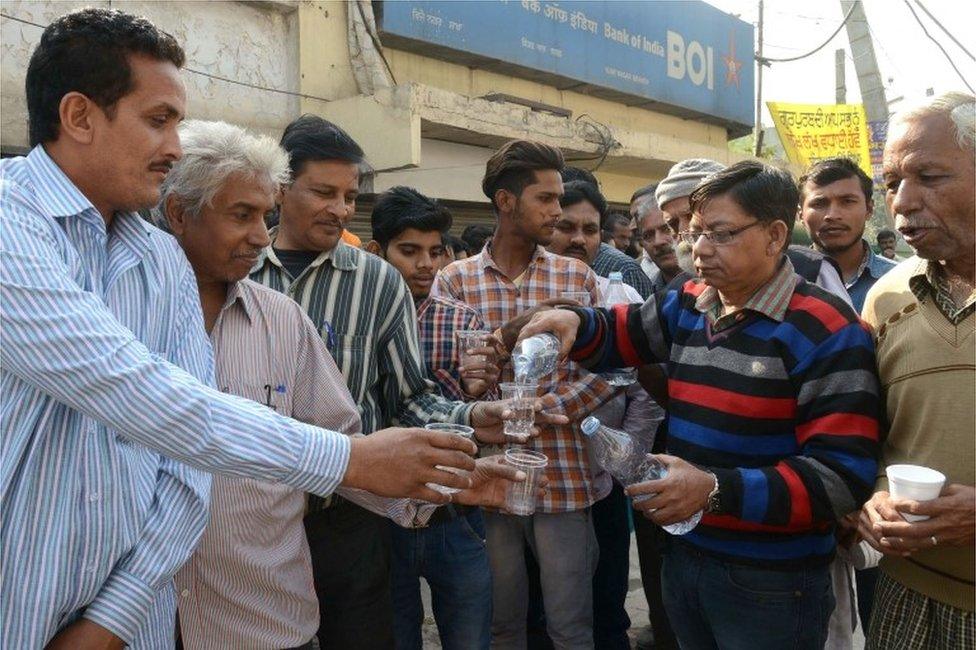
(714,236)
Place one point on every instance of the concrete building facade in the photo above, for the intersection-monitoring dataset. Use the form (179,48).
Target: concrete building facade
(427,115)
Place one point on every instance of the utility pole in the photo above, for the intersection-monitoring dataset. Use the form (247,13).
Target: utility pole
(758,137)
(840,77)
(865,62)
(869,81)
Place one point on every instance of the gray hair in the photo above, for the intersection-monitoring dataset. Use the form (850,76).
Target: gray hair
(212,153)
(645,203)
(959,107)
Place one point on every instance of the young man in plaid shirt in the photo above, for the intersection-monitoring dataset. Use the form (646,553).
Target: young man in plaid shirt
(513,274)
(408,232)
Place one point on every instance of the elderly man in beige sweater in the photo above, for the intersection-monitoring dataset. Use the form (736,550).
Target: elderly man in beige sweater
(922,313)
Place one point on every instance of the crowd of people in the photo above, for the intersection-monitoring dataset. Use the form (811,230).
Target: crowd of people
(213,430)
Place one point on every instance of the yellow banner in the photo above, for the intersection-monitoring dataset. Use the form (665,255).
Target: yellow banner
(812,132)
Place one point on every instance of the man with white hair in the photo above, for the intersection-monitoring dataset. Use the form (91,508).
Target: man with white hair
(922,313)
(249,582)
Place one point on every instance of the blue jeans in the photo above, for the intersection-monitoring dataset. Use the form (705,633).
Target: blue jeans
(452,557)
(716,604)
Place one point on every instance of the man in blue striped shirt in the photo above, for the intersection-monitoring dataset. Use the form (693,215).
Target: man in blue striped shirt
(107,373)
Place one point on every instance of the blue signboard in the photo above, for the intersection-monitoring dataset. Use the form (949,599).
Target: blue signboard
(685,54)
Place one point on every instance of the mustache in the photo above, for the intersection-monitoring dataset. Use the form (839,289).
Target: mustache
(577,249)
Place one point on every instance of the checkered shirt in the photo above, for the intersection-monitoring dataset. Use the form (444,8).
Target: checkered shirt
(438,318)
(478,282)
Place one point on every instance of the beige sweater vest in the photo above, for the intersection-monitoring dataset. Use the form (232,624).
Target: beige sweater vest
(928,378)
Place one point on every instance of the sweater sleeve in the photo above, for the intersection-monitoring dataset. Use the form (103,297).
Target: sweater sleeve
(627,335)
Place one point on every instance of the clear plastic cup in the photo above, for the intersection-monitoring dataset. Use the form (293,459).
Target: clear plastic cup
(914,482)
(520,497)
(468,340)
(458,430)
(522,405)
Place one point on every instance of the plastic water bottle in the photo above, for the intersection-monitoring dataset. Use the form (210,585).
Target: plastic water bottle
(618,452)
(617,295)
(625,458)
(535,357)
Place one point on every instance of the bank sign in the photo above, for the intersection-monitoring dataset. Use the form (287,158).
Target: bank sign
(685,54)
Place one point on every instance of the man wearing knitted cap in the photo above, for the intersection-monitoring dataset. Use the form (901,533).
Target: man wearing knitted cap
(672,196)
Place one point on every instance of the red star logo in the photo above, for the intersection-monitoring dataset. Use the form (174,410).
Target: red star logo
(732,65)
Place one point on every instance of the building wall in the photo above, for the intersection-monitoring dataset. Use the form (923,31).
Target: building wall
(256,43)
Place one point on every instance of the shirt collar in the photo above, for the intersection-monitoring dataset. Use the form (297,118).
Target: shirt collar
(343,256)
(486,261)
(239,294)
(771,300)
(57,194)
(61,198)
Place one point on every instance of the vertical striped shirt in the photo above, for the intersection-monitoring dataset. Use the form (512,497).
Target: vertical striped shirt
(783,406)
(478,282)
(364,312)
(249,582)
(105,366)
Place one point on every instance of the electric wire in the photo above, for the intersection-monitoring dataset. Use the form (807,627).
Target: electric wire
(939,45)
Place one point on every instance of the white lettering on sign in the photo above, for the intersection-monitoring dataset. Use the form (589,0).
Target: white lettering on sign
(694,61)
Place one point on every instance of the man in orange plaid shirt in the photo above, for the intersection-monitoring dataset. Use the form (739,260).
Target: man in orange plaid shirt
(514,274)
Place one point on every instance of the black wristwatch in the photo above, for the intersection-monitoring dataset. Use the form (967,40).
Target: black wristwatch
(714,504)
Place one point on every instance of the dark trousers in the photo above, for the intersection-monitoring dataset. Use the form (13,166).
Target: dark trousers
(714,604)
(651,543)
(610,582)
(350,550)
(865,581)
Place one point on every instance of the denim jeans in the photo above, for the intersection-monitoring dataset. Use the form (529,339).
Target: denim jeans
(716,604)
(453,559)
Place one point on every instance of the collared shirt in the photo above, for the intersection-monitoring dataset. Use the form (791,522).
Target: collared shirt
(438,319)
(609,259)
(653,273)
(871,268)
(364,312)
(249,582)
(772,299)
(103,355)
(479,282)
(929,282)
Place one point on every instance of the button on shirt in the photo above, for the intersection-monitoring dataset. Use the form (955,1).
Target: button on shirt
(477,281)
(103,346)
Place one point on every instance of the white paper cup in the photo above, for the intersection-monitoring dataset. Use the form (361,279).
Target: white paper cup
(916,483)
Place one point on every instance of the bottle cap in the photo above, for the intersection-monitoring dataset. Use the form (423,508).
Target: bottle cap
(589,426)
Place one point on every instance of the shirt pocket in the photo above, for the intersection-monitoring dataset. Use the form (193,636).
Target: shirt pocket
(275,393)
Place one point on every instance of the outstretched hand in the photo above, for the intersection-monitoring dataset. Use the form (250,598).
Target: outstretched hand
(488,420)
(400,462)
(490,481)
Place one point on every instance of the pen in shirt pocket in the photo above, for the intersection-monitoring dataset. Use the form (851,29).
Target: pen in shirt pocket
(330,335)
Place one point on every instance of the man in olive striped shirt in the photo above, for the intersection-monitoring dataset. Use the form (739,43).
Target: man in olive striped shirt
(365,314)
